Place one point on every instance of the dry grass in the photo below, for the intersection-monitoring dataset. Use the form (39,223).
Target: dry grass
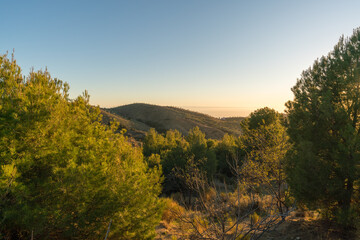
(301,224)
(181,223)
(296,227)
(172,210)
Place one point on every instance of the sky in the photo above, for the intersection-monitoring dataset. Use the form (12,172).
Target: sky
(223,58)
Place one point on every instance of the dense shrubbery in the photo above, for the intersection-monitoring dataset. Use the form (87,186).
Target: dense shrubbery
(263,130)
(63,174)
(256,198)
(176,151)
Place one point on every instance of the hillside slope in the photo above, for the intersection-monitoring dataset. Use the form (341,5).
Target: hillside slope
(142,117)
(134,129)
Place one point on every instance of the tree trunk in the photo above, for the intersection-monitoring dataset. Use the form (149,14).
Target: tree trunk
(345,203)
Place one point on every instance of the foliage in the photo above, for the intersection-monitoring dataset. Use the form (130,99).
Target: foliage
(227,150)
(324,126)
(202,151)
(260,117)
(64,174)
(172,151)
(176,151)
(172,210)
(266,144)
(259,198)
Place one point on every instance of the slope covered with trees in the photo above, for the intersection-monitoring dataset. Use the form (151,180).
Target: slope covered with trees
(146,116)
(134,129)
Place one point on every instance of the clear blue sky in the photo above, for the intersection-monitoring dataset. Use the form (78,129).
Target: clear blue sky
(220,57)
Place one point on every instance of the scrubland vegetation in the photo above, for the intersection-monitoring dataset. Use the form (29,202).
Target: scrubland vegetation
(64,174)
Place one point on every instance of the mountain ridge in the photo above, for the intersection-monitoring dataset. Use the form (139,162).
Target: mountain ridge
(138,118)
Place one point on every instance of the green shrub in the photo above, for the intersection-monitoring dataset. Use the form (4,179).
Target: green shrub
(64,175)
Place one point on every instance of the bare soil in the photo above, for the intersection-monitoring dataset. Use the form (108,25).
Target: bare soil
(294,228)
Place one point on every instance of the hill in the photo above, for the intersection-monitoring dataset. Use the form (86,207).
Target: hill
(138,118)
(134,129)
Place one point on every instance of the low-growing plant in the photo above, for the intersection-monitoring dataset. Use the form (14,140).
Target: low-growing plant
(172,210)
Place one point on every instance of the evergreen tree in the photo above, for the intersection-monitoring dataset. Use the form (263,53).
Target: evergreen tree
(173,151)
(227,152)
(265,145)
(324,126)
(64,175)
(202,151)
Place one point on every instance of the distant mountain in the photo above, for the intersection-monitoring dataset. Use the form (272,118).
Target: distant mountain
(138,118)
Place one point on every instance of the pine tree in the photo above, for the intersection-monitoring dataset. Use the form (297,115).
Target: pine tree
(64,175)
(324,127)
(265,144)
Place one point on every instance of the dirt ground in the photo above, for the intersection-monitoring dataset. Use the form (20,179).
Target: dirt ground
(302,229)
(294,228)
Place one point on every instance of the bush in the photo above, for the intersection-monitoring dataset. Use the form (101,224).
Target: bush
(63,175)
(172,210)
